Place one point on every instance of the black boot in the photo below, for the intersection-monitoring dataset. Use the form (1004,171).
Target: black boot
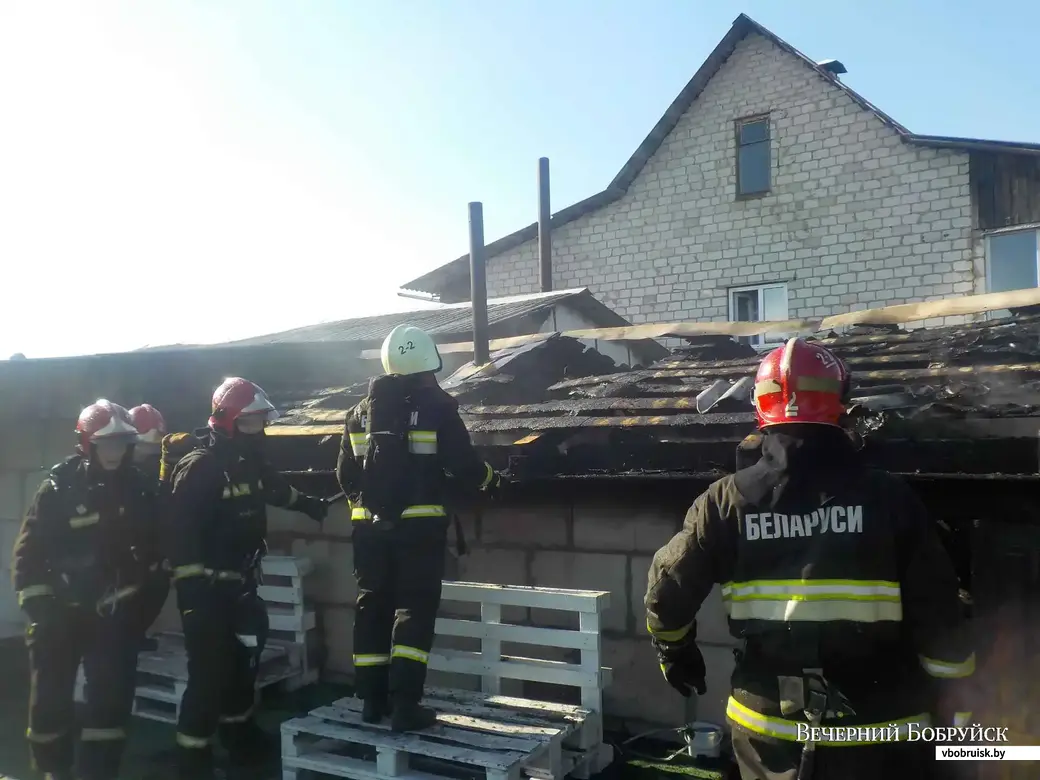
(375,709)
(196,764)
(411,716)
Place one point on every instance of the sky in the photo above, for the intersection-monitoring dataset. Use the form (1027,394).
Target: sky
(195,171)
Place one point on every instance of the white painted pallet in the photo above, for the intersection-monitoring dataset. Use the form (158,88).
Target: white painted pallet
(290,619)
(503,737)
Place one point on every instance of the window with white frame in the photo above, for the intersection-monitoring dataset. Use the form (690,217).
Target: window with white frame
(1012,260)
(759,303)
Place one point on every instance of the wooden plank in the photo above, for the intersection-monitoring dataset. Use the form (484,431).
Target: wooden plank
(288,619)
(286,565)
(407,743)
(528,635)
(281,594)
(324,763)
(546,709)
(471,737)
(518,668)
(473,716)
(524,596)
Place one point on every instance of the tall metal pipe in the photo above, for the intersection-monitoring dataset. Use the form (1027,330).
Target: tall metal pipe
(478,283)
(545,267)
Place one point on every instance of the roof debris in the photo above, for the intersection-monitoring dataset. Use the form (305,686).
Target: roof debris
(938,400)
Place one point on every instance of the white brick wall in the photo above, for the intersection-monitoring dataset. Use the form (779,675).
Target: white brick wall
(856,218)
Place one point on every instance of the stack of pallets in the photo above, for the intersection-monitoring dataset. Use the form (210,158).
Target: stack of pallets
(162,674)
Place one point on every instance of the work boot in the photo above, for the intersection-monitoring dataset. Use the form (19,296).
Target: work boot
(411,716)
(196,764)
(375,709)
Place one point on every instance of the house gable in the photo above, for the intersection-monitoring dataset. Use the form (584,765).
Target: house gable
(515,255)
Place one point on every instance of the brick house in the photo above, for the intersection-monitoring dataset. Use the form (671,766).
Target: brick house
(769,190)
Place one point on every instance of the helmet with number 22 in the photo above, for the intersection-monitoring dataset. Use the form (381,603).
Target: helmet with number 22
(409,350)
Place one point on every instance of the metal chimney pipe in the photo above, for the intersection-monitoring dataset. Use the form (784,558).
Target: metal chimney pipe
(544,229)
(478,284)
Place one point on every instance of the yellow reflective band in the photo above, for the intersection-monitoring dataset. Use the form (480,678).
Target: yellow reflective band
(83,521)
(240,718)
(101,735)
(237,491)
(424,510)
(861,601)
(41,737)
(225,575)
(411,653)
(118,596)
(359,513)
(422,442)
(487,476)
(34,591)
(675,635)
(949,669)
(782,728)
(359,444)
(189,570)
(186,741)
(370,659)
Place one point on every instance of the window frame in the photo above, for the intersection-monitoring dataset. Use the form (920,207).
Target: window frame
(758,342)
(738,125)
(1034,229)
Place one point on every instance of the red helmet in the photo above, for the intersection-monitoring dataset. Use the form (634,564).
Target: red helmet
(238,397)
(800,382)
(149,424)
(104,420)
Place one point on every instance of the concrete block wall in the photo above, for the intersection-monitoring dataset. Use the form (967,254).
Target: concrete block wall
(602,546)
(856,217)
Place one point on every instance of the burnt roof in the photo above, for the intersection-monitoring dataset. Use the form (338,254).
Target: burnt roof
(959,399)
(449,320)
(456,272)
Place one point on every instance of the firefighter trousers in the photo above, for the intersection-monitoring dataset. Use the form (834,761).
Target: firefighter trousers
(761,758)
(399,566)
(107,647)
(221,689)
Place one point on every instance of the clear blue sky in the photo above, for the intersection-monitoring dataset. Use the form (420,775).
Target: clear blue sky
(200,170)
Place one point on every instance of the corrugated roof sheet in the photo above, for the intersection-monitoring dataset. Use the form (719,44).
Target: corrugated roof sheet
(962,399)
(447,320)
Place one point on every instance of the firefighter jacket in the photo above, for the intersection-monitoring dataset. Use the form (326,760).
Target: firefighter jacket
(825,565)
(215,513)
(87,539)
(440,460)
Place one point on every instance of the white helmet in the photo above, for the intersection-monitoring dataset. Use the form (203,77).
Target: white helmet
(409,350)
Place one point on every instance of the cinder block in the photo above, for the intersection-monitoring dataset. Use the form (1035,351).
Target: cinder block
(639,691)
(591,571)
(500,567)
(712,625)
(58,439)
(719,662)
(541,525)
(22,445)
(623,527)
(338,522)
(338,623)
(332,581)
(11,502)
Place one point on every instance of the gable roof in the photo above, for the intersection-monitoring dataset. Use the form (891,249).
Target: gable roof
(456,273)
(450,320)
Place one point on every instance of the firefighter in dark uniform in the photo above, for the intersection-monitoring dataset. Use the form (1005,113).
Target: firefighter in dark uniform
(399,446)
(80,561)
(215,521)
(151,428)
(836,584)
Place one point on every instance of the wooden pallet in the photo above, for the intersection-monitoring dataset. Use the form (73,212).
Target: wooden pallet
(162,676)
(290,620)
(498,736)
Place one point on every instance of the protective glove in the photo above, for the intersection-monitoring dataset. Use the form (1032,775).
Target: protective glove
(683,667)
(493,487)
(317,509)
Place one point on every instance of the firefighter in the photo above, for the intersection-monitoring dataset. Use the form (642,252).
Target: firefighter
(151,428)
(835,583)
(79,563)
(215,520)
(399,445)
